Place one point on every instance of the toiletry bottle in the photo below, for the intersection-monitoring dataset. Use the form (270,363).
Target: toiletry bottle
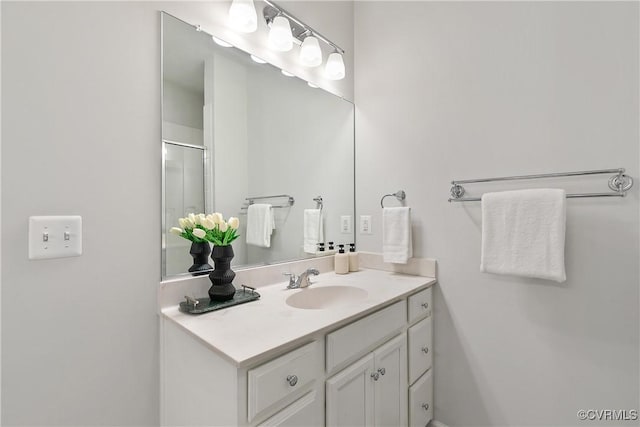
(320,247)
(341,261)
(354,264)
(330,246)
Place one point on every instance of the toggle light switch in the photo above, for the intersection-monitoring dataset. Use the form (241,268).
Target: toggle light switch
(55,236)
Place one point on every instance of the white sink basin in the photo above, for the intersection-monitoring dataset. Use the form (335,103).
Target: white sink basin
(326,297)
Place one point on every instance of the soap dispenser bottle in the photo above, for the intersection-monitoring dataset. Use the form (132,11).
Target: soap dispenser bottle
(341,261)
(354,264)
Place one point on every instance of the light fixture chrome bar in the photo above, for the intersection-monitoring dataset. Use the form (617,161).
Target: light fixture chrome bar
(300,30)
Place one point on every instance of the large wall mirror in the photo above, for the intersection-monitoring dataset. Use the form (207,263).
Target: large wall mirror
(236,132)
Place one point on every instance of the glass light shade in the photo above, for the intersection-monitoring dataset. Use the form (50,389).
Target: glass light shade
(221,42)
(242,16)
(334,70)
(258,59)
(310,53)
(280,37)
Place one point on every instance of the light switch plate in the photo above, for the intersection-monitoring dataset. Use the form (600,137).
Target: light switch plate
(345,224)
(365,224)
(55,236)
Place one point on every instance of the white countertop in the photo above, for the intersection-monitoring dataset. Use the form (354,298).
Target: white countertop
(246,332)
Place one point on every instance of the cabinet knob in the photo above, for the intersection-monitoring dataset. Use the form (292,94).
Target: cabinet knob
(425,349)
(425,406)
(425,305)
(382,371)
(375,376)
(292,380)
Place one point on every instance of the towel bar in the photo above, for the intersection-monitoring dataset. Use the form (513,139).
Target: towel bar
(618,183)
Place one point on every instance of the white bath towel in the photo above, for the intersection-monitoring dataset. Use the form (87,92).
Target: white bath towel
(523,233)
(397,245)
(313,230)
(260,224)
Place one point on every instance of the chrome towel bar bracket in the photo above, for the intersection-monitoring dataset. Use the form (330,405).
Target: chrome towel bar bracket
(400,195)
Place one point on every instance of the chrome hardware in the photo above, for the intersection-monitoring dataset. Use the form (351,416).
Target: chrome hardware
(375,376)
(425,305)
(301,281)
(425,349)
(425,406)
(292,380)
(400,195)
(619,183)
(191,301)
(292,280)
(382,371)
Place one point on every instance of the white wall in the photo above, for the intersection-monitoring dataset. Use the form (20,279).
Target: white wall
(81,135)
(311,156)
(468,90)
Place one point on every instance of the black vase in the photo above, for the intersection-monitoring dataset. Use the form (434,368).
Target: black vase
(222,275)
(200,253)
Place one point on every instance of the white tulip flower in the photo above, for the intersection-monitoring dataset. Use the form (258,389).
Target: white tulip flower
(177,231)
(183,222)
(223,226)
(234,223)
(188,223)
(192,218)
(208,224)
(218,218)
(200,233)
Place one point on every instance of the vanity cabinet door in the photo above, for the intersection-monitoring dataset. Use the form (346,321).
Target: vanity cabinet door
(391,384)
(421,401)
(350,395)
(420,352)
(306,411)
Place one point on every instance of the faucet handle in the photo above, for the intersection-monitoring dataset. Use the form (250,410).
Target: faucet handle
(292,279)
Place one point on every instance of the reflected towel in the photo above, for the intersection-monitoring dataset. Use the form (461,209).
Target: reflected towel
(313,230)
(523,233)
(260,225)
(397,245)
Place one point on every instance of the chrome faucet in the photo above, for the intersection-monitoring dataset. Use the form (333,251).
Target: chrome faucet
(301,281)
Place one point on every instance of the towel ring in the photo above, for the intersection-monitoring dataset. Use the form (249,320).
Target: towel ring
(400,195)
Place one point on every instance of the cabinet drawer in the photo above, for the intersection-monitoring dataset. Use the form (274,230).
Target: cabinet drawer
(306,411)
(420,353)
(419,305)
(359,337)
(421,401)
(278,382)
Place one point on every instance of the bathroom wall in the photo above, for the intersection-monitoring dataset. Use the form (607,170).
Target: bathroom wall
(81,135)
(455,90)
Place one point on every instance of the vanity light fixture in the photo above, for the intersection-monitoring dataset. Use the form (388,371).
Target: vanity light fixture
(243,16)
(280,37)
(286,73)
(303,35)
(334,70)
(258,59)
(310,52)
(221,42)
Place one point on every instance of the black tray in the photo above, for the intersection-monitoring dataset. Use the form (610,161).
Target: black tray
(204,305)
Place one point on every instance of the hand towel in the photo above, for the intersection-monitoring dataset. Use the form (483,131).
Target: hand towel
(260,225)
(397,245)
(523,233)
(313,230)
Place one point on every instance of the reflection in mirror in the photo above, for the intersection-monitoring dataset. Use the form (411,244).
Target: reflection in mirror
(235,133)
